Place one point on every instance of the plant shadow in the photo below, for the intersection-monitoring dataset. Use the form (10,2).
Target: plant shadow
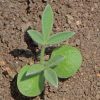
(31,46)
(21,53)
(63,79)
(33,49)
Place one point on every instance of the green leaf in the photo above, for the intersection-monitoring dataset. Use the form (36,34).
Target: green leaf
(47,22)
(60,37)
(51,77)
(55,60)
(30,85)
(36,36)
(35,69)
(72,62)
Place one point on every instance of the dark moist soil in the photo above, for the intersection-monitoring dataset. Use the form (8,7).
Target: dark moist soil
(17,49)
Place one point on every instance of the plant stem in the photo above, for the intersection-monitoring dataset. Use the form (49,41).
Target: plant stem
(42,55)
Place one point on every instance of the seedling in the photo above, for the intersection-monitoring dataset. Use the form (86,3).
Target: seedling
(63,63)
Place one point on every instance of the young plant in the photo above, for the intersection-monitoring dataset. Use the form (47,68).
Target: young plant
(64,61)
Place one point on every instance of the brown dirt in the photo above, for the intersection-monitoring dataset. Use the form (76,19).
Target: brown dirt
(81,16)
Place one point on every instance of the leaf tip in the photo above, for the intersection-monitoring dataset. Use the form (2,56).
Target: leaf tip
(28,31)
(48,5)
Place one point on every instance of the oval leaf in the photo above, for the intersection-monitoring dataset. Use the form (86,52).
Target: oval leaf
(71,63)
(30,86)
(60,37)
(36,36)
(51,77)
(35,69)
(47,21)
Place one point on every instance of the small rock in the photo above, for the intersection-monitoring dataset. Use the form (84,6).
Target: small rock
(92,9)
(82,74)
(78,23)
(46,57)
(69,18)
(77,42)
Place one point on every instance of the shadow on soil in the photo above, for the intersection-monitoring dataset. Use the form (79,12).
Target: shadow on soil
(21,53)
(33,49)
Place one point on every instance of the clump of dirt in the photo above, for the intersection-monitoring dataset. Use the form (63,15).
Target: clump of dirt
(82,17)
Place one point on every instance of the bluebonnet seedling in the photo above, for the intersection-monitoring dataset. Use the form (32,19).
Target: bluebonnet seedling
(64,61)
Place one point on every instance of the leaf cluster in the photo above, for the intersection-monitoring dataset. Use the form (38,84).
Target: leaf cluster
(64,62)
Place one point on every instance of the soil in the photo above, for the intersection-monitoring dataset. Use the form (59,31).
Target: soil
(16,49)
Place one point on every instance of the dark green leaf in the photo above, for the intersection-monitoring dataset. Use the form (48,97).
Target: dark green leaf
(36,36)
(47,22)
(35,69)
(60,37)
(55,60)
(30,86)
(71,63)
(51,77)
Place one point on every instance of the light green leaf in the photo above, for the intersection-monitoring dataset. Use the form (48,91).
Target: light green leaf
(72,62)
(47,22)
(36,36)
(35,69)
(60,37)
(30,85)
(51,77)
(55,60)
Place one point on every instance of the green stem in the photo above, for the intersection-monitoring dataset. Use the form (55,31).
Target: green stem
(42,55)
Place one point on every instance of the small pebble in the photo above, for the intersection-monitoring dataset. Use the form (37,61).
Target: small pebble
(69,18)
(77,42)
(78,23)
(46,57)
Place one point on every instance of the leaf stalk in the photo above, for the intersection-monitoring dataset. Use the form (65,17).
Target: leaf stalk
(42,55)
